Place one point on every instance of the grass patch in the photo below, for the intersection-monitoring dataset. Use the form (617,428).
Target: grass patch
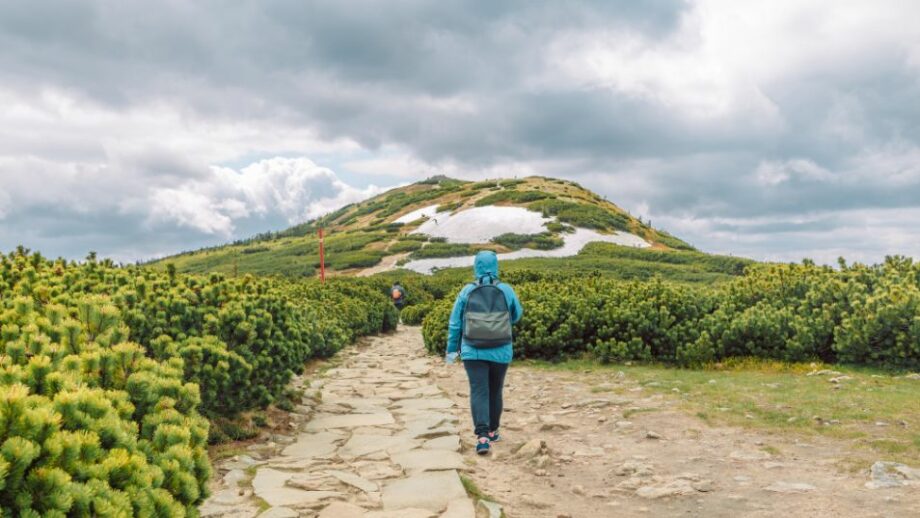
(473,491)
(873,410)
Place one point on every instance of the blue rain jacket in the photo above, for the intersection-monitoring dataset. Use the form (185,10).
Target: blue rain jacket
(486,263)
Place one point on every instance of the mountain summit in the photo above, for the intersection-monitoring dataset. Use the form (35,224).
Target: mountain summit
(439,223)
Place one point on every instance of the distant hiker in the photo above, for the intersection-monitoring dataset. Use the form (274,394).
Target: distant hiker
(398,295)
(480,330)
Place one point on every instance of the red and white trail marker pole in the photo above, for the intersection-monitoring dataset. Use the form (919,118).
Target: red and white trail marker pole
(322,257)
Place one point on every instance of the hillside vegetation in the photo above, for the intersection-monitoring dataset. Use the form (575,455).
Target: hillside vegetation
(109,376)
(862,315)
(363,234)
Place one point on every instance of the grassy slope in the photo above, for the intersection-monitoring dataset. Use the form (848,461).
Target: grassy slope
(360,235)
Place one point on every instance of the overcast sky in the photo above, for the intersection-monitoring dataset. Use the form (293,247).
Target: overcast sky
(775,129)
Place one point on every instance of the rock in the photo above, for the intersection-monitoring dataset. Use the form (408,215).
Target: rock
(531,448)
(789,487)
(749,455)
(312,482)
(459,508)
(341,510)
(534,502)
(432,491)
(892,474)
(269,485)
(310,445)
(838,379)
(703,486)
(354,480)
(361,445)
(428,460)
(579,490)
(623,424)
(652,435)
(402,513)
(494,509)
(414,406)
(279,512)
(554,427)
(245,510)
(674,487)
(376,470)
(824,372)
(349,421)
(241,462)
(912,376)
(448,442)
(634,468)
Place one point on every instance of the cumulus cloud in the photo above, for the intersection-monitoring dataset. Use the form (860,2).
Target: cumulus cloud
(293,188)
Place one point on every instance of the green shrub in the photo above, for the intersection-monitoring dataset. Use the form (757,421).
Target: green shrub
(405,246)
(449,207)
(581,214)
(413,315)
(512,197)
(439,249)
(542,241)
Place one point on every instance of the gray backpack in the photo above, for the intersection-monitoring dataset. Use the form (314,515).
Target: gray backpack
(486,320)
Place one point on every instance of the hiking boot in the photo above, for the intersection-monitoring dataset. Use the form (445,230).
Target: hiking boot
(482,446)
(494,437)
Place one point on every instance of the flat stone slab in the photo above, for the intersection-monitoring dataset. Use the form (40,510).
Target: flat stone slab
(341,510)
(448,443)
(361,445)
(376,470)
(311,445)
(326,422)
(428,460)
(354,480)
(269,485)
(431,491)
(460,508)
(280,512)
(402,513)
(427,403)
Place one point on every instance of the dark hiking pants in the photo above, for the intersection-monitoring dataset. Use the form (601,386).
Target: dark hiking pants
(486,382)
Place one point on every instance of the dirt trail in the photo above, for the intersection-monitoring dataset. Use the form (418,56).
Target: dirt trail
(376,437)
(386,264)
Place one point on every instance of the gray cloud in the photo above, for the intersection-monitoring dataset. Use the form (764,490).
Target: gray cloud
(730,122)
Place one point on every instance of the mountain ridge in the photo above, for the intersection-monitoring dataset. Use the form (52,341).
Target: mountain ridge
(375,232)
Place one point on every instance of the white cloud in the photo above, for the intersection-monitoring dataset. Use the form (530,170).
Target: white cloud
(4,203)
(770,173)
(294,188)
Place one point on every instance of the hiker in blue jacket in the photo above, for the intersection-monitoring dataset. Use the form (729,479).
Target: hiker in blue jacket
(480,330)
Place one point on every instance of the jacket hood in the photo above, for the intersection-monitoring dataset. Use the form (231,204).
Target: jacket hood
(486,263)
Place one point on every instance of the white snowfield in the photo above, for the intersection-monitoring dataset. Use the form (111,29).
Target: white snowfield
(426,212)
(481,224)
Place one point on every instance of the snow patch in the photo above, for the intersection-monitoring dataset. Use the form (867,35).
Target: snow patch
(481,224)
(573,244)
(425,212)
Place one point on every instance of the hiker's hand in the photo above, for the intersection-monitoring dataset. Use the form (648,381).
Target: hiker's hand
(450,358)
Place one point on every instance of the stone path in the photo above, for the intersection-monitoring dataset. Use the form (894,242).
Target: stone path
(376,439)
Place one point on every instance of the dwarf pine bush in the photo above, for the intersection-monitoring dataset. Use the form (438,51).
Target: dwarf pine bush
(108,375)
